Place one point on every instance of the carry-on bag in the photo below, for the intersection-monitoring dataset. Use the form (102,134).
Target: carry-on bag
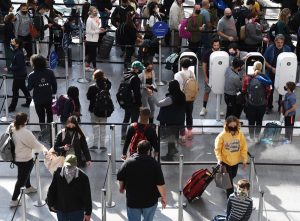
(222,179)
(105,46)
(271,133)
(198,182)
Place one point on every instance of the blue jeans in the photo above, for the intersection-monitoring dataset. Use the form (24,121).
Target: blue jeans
(135,214)
(71,216)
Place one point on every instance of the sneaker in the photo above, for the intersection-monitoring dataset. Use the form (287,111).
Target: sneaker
(221,113)
(93,148)
(181,140)
(90,69)
(154,60)
(189,135)
(203,111)
(103,148)
(30,190)
(25,105)
(14,203)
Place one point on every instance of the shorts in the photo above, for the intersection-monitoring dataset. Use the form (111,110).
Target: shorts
(207,88)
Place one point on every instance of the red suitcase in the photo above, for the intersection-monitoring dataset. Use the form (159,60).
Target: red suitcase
(196,185)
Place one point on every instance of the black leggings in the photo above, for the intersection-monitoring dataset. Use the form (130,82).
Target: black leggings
(24,170)
(91,51)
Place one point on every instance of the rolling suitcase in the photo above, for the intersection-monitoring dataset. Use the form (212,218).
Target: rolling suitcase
(105,46)
(196,185)
(271,133)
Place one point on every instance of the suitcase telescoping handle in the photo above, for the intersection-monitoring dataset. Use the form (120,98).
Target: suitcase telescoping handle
(215,170)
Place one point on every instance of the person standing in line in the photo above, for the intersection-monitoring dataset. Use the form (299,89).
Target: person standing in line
(132,110)
(142,191)
(93,29)
(22,24)
(233,88)
(270,56)
(230,148)
(43,82)
(9,31)
(102,83)
(147,78)
(69,194)
(288,109)
(215,46)
(182,76)
(18,69)
(25,142)
(175,16)
(72,105)
(142,127)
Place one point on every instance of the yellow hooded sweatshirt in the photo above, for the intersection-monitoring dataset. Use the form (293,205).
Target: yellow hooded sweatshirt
(230,149)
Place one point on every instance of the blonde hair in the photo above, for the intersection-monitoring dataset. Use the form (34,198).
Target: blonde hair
(283,16)
(257,66)
(91,9)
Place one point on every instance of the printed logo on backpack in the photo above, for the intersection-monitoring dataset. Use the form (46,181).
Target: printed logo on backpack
(104,106)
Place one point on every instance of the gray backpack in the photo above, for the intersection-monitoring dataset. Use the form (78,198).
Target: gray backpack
(256,93)
(7,146)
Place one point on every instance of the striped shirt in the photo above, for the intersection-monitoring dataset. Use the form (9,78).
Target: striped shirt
(238,209)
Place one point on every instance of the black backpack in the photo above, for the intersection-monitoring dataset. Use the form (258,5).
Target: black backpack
(125,94)
(256,93)
(103,104)
(120,32)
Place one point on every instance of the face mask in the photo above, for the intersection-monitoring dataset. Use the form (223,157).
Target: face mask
(95,14)
(24,12)
(149,70)
(285,88)
(71,128)
(233,129)
(233,54)
(197,12)
(12,47)
(228,16)
(124,5)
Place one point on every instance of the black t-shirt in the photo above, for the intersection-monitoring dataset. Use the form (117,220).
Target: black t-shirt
(141,174)
(205,59)
(150,134)
(276,53)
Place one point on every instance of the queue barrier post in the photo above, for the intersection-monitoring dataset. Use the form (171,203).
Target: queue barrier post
(103,200)
(23,203)
(109,202)
(6,118)
(39,202)
(113,148)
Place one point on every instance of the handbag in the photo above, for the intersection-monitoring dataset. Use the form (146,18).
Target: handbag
(53,160)
(222,179)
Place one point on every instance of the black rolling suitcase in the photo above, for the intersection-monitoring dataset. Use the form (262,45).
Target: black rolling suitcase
(105,46)
(271,133)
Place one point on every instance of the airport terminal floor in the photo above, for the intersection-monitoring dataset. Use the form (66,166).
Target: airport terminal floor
(276,163)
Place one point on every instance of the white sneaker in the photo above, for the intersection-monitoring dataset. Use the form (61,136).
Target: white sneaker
(203,111)
(30,190)
(154,59)
(14,203)
(221,113)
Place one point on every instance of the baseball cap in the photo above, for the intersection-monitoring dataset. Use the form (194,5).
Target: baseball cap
(71,160)
(137,65)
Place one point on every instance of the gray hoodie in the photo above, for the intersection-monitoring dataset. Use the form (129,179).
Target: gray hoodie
(22,24)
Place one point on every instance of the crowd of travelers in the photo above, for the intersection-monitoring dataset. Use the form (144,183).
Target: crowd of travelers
(237,27)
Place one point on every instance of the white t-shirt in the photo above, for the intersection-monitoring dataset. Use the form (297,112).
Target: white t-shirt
(185,74)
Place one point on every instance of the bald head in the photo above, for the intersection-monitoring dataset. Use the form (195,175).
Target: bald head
(205,3)
(227,11)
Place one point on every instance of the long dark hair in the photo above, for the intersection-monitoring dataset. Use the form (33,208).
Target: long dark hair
(73,93)
(177,95)
(129,20)
(20,121)
(73,120)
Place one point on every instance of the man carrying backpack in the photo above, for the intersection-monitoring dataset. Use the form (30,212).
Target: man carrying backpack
(140,131)
(189,86)
(129,95)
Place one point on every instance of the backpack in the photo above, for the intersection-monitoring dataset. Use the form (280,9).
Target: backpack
(220,4)
(190,87)
(35,34)
(125,94)
(273,31)
(7,146)
(170,60)
(182,28)
(69,3)
(256,93)
(137,137)
(103,104)
(58,105)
